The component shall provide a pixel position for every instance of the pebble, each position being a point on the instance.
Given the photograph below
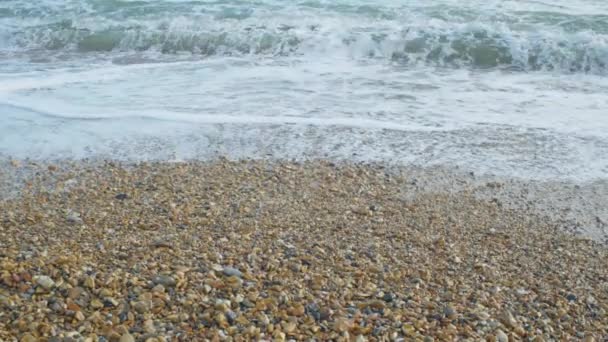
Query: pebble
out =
(89, 282)
(164, 280)
(28, 338)
(149, 326)
(158, 288)
(74, 292)
(74, 218)
(46, 282)
(162, 244)
(79, 316)
(126, 337)
(230, 271)
(449, 312)
(508, 319)
(142, 306)
(501, 336)
(342, 325)
(96, 304)
(121, 197)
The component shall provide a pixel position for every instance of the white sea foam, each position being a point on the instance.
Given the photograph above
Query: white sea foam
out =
(509, 87)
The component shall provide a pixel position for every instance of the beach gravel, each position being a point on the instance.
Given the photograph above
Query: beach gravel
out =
(238, 251)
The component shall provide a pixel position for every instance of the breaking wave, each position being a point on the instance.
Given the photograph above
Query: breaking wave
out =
(455, 45)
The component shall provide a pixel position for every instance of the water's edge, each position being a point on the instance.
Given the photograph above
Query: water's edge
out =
(577, 208)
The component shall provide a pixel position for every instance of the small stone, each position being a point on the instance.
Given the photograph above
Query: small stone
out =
(56, 307)
(314, 310)
(376, 304)
(508, 320)
(74, 292)
(230, 271)
(571, 297)
(96, 304)
(591, 301)
(121, 196)
(388, 297)
(247, 303)
(289, 327)
(408, 329)
(483, 315)
(279, 336)
(230, 316)
(162, 244)
(28, 338)
(158, 289)
(74, 218)
(46, 282)
(263, 318)
(222, 305)
(90, 282)
(149, 326)
(501, 336)
(234, 281)
(341, 325)
(142, 306)
(110, 302)
(164, 280)
(220, 318)
(363, 211)
(126, 337)
(449, 312)
(79, 316)
(298, 310)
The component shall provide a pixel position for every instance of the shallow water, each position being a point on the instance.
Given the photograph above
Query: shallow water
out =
(514, 88)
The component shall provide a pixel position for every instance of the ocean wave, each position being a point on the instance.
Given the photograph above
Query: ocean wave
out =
(475, 45)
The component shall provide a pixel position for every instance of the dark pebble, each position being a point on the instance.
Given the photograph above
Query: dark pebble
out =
(314, 311)
(230, 317)
(122, 197)
(107, 304)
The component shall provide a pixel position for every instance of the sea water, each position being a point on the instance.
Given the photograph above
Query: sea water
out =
(516, 88)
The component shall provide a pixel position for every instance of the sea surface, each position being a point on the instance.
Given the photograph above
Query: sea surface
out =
(517, 88)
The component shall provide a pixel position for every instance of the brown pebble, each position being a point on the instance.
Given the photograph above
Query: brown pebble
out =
(126, 337)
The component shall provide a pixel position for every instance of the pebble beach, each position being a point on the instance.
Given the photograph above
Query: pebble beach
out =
(317, 170)
(278, 251)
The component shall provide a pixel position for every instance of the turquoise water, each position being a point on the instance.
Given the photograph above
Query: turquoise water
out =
(520, 36)
(516, 87)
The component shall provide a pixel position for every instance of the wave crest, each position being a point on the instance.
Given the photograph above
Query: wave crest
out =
(456, 45)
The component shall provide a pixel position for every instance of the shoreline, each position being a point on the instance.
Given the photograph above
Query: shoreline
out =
(284, 250)
(577, 207)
